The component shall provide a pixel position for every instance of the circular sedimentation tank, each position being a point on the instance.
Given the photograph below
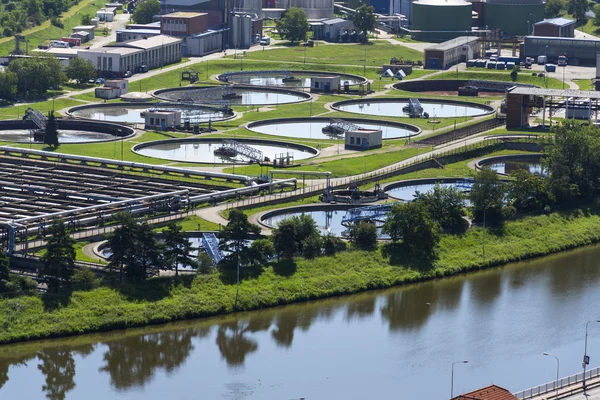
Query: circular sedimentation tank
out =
(133, 112)
(395, 107)
(312, 128)
(512, 17)
(449, 87)
(202, 150)
(407, 190)
(234, 96)
(441, 19)
(69, 131)
(327, 217)
(504, 165)
(278, 78)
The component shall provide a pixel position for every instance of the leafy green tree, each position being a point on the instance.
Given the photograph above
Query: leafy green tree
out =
(51, 131)
(145, 11)
(446, 205)
(205, 263)
(412, 223)
(332, 244)
(487, 196)
(86, 19)
(4, 270)
(514, 73)
(578, 8)
(177, 249)
(528, 192)
(147, 254)
(260, 252)
(122, 243)
(59, 259)
(284, 239)
(311, 246)
(553, 8)
(233, 238)
(596, 13)
(36, 75)
(572, 162)
(8, 85)
(363, 235)
(364, 20)
(80, 70)
(293, 25)
(85, 279)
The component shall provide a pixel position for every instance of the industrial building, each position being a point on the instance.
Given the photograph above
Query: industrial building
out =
(106, 14)
(451, 52)
(578, 51)
(555, 27)
(85, 28)
(244, 30)
(139, 55)
(512, 17)
(183, 23)
(363, 139)
(162, 119)
(112, 89)
(124, 35)
(325, 84)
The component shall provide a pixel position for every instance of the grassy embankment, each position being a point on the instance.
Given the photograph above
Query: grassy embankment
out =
(163, 300)
(524, 77)
(585, 84)
(43, 33)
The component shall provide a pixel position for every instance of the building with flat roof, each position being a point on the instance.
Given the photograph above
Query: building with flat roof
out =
(125, 35)
(112, 89)
(325, 84)
(183, 23)
(555, 27)
(85, 28)
(579, 51)
(451, 52)
(363, 139)
(162, 119)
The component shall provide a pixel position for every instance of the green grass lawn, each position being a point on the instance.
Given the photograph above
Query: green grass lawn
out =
(45, 32)
(585, 84)
(376, 54)
(524, 77)
(17, 111)
(166, 299)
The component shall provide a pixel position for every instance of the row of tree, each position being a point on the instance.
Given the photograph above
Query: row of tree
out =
(16, 16)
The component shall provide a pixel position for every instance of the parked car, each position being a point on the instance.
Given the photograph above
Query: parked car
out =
(127, 74)
(100, 81)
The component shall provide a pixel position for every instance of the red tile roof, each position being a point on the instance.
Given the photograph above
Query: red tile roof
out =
(491, 392)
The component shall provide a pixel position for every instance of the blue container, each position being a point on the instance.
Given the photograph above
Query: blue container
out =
(550, 68)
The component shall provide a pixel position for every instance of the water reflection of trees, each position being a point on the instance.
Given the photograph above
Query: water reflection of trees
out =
(134, 360)
(58, 366)
(232, 339)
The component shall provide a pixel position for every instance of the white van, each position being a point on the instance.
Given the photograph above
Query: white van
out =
(265, 41)
(60, 44)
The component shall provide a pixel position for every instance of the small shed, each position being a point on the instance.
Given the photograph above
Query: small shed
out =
(85, 28)
(363, 139)
(162, 119)
(82, 36)
(113, 89)
(105, 15)
(555, 27)
(325, 84)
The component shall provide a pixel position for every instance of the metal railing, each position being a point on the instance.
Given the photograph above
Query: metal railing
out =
(562, 383)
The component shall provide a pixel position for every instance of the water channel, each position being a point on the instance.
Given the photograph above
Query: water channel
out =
(397, 343)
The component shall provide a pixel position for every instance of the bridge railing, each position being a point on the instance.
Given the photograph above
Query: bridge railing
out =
(553, 386)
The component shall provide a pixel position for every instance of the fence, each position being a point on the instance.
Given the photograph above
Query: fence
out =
(463, 132)
(560, 384)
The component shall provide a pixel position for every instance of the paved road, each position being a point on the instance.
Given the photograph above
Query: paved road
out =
(119, 22)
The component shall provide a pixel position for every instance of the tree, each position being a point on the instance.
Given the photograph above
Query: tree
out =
(122, 242)
(332, 244)
(85, 279)
(177, 249)
(514, 73)
(4, 270)
(553, 8)
(596, 13)
(36, 75)
(144, 13)
(233, 238)
(51, 131)
(205, 263)
(8, 85)
(578, 8)
(312, 246)
(80, 70)
(487, 195)
(412, 223)
(147, 253)
(261, 251)
(59, 259)
(86, 19)
(446, 205)
(363, 235)
(364, 20)
(293, 25)
(291, 233)
(527, 192)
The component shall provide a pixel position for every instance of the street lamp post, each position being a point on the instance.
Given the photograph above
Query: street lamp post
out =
(452, 378)
(557, 369)
(586, 359)
(534, 21)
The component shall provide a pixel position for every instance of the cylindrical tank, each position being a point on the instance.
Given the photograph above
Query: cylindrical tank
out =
(441, 18)
(315, 9)
(513, 17)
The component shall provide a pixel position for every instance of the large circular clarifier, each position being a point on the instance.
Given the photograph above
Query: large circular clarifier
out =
(235, 96)
(505, 165)
(328, 221)
(203, 150)
(133, 113)
(281, 78)
(391, 107)
(312, 128)
(64, 136)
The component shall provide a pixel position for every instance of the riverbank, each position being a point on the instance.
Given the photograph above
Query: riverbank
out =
(163, 300)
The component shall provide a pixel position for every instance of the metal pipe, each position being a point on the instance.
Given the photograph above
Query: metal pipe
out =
(228, 192)
(63, 156)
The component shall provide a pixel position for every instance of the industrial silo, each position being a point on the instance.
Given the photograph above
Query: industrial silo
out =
(513, 17)
(440, 19)
(315, 9)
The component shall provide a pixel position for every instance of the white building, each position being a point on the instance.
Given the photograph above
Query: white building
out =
(326, 84)
(162, 119)
(363, 139)
(113, 89)
(135, 56)
(125, 35)
(85, 28)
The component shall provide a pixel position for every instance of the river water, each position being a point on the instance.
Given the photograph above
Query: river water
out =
(397, 343)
